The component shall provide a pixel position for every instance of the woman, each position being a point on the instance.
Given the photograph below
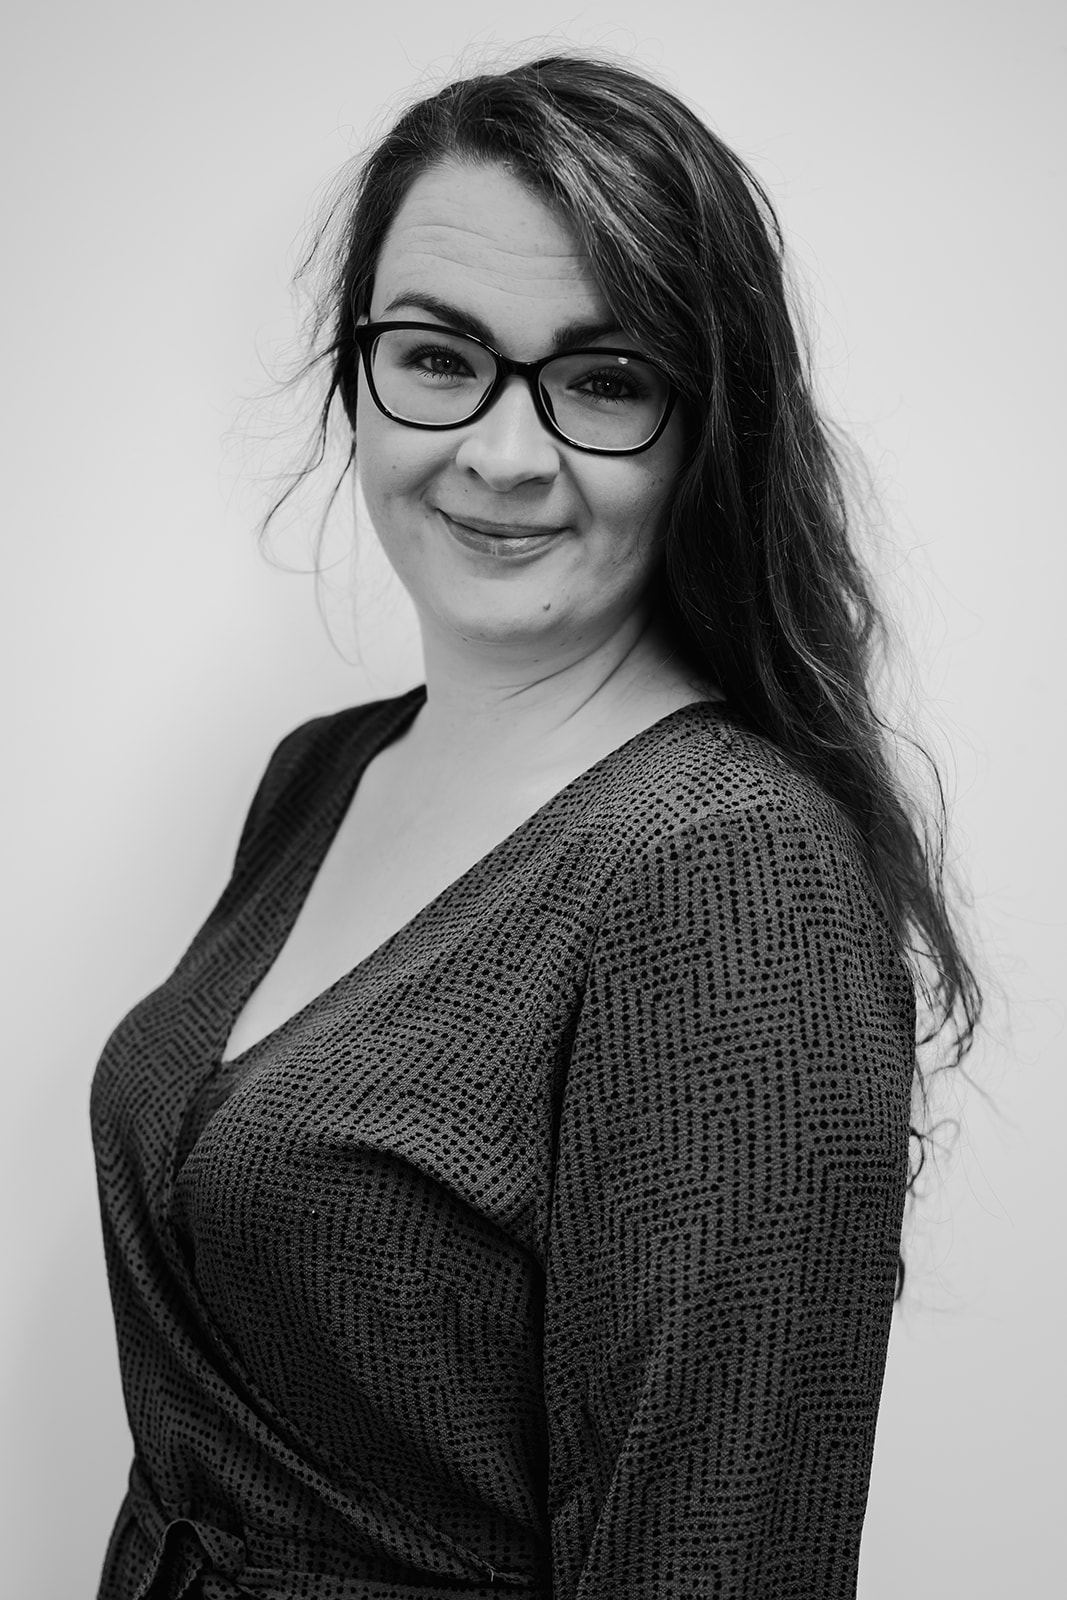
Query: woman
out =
(505, 1190)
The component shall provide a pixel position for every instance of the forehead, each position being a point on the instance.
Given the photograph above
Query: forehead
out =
(475, 236)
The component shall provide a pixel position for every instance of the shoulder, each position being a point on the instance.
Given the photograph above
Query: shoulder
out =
(719, 843)
(346, 733)
(320, 751)
(699, 786)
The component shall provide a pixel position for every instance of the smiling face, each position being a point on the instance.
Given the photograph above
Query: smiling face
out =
(470, 247)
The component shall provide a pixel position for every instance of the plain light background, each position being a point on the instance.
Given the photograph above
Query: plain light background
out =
(160, 163)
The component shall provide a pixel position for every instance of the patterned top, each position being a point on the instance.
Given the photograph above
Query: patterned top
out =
(550, 1250)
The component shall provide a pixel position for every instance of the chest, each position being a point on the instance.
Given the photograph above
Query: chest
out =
(370, 1194)
(398, 848)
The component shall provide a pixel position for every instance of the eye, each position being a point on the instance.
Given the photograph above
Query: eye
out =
(616, 384)
(440, 361)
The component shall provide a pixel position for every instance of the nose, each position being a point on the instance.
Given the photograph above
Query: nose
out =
(509, 444)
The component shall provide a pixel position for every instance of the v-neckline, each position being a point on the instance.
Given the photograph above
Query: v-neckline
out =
(324, 822)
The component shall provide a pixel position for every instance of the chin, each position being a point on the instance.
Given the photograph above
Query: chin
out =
(538, 622)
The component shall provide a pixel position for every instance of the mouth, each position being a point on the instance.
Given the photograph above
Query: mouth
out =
(507, 539)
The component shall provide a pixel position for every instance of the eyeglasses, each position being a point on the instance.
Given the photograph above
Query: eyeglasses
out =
(607, 401)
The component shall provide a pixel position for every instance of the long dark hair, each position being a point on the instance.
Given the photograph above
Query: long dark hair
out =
(760, 587)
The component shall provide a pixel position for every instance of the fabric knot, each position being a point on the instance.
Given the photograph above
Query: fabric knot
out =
(187, 1548)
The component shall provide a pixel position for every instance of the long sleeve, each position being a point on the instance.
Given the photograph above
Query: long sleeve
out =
(729, 1189)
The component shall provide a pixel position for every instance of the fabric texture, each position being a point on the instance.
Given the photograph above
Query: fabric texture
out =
(552, 1249)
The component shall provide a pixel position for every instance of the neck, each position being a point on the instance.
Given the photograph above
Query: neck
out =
(493, 706)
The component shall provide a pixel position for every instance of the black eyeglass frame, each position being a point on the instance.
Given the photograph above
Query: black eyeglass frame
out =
(365, 334)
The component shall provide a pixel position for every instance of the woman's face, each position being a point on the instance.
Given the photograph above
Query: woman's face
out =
(470, 245)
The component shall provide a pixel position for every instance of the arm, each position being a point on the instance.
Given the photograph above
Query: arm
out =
(725, 1221)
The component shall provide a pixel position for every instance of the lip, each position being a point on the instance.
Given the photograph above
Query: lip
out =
(503, 540)
(505, 530)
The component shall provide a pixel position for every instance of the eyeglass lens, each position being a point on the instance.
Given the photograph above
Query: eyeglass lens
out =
(604, 401)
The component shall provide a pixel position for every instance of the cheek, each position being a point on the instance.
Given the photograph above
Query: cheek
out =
(633, 502)
(394, 463)
(640, 494)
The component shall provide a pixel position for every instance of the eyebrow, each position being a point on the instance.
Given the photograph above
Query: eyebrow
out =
(571, 336)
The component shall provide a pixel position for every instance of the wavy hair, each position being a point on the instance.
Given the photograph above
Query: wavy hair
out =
(760, 587)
